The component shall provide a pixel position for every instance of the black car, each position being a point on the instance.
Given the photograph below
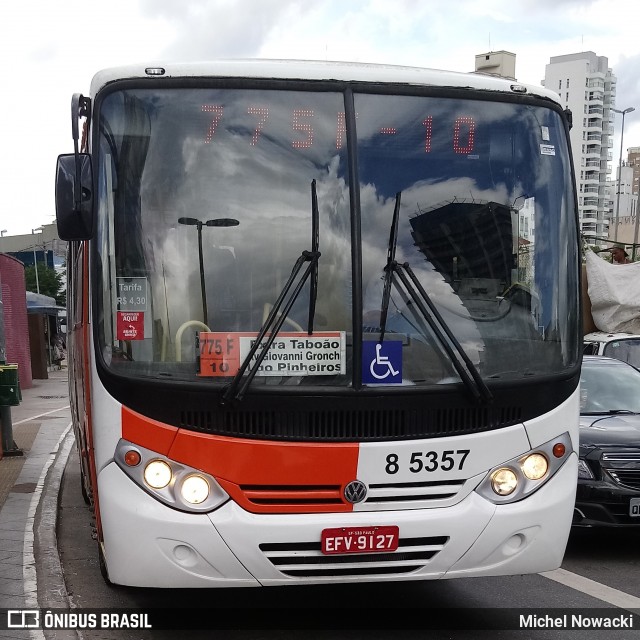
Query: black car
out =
(609, 468)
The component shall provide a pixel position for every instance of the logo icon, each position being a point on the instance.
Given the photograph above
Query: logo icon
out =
(23, 619)
(382, 362)
(355, 492)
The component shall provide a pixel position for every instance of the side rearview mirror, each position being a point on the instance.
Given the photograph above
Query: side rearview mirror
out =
(74, 202)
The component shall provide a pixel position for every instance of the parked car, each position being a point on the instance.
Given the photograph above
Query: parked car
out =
(608, 492)
(622, 346)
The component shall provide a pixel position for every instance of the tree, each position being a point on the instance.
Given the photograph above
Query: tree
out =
(50, 283)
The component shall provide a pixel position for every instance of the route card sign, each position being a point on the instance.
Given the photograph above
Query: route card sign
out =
(291, 354)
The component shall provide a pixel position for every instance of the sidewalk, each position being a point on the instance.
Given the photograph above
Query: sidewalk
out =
(28, 499)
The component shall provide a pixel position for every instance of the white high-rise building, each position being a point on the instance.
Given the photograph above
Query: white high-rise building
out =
(587, 87)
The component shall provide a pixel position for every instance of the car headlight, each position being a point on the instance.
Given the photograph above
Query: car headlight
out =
(518, 478)
(177, 485)
(584, 472)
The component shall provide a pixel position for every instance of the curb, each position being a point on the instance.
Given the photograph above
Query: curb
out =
(52, 590)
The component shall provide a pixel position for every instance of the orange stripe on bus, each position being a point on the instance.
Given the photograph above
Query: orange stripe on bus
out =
(260, 475)
(146, 432)
(262, 462)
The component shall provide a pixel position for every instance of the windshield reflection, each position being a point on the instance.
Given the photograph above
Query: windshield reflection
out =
(472, 179)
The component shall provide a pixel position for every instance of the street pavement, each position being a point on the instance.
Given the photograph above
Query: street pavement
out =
(30, 571)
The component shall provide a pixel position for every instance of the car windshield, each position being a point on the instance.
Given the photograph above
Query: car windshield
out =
(609, 386)
(625, 349)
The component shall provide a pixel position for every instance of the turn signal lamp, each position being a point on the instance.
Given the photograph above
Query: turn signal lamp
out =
(132, 458)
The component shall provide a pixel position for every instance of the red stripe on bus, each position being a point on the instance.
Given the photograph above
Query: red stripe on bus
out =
(146, 432)
(262, 476)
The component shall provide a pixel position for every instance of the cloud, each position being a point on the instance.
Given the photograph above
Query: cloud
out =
(53, 50)
(221, 28)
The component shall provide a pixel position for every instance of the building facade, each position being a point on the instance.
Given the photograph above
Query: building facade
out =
(16, 327)
(633, 160)
(627, 218)
(587, 86)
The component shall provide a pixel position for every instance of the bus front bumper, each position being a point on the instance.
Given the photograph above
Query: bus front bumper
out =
(148, 544)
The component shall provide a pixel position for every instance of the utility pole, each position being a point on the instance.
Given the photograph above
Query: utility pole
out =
(35, 260)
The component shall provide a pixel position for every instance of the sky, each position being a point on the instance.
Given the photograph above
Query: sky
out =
(52, 50)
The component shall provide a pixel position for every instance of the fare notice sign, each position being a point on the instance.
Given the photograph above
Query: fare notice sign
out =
(291, 354)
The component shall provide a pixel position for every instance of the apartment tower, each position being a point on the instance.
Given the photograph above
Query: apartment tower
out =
(587, 87)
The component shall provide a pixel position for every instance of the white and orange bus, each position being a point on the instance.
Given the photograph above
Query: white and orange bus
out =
(323, 322)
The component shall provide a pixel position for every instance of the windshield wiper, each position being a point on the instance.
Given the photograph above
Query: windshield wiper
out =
(315, 241)
(388, 269)
(276, 318)
(610, 412)
(467, 371)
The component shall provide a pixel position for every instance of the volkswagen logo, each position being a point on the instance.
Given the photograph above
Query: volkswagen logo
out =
(355, 491)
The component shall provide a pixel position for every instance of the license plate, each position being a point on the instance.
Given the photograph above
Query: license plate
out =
(634, 507)
(360, 540)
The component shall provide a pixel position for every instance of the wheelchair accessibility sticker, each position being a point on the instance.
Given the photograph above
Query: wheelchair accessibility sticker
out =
(382, 362)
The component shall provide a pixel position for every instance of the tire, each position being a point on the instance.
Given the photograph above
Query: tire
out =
(103, 565)
(83, 489)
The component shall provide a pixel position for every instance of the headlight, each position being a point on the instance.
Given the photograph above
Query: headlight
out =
(195, 489)
(168, 481)
(504, 481)
(157, 474)
(584, 472)
(534, 466)
(519, 477)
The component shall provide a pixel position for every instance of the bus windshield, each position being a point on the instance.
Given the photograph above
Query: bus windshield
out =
(206, 203)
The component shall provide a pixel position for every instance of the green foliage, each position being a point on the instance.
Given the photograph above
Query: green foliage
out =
(50, 283)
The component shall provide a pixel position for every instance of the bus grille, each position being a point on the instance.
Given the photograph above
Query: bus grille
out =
(350, 425)
(380, 497)
(305, 560)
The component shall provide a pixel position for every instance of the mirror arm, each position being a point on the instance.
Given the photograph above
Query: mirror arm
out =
(80, 108)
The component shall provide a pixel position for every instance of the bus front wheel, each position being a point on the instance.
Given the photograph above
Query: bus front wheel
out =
(103, 565)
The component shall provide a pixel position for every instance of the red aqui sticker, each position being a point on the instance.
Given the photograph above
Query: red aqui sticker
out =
(130, 325)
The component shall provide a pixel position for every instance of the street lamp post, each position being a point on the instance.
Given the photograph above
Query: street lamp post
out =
(35, 259)
(624, 113)
(217, 222)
